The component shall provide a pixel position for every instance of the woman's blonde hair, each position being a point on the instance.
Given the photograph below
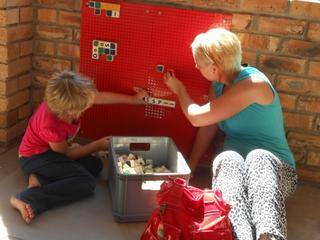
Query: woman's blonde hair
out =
(221, 47)
(69, 93)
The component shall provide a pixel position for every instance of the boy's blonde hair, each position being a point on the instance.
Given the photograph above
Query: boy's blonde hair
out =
(221, 47)
(69, 93)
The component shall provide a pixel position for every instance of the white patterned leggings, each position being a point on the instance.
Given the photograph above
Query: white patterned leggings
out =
(257, 188)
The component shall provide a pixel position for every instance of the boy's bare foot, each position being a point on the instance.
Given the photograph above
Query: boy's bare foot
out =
(24, 208)
(33, 181)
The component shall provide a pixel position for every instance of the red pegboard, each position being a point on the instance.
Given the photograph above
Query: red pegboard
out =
(146, 35)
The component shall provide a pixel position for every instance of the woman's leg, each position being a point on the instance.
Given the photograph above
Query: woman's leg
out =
(228, 176)
(270, 182)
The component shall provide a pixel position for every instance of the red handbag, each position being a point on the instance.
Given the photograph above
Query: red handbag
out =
(186, 212)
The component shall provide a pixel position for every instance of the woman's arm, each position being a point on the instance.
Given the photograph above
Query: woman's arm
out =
(238, 97)
(79, 151)
(204, 137)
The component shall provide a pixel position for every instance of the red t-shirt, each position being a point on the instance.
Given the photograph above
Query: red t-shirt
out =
(45, 127)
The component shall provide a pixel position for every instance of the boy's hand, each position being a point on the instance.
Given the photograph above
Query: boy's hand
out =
(140, 95)
(102, 143)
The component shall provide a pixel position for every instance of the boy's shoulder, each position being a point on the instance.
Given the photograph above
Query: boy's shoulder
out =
(44, 117)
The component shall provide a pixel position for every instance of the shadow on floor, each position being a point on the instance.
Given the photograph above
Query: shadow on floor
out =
(92, 218)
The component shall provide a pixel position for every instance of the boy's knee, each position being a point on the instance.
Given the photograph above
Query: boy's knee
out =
(95, 166)
(89, 185)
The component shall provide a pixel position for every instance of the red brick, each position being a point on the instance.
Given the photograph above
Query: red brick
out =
(281, 64)
(69, 18)
(44, 48)
(37, 94)
(317, 125)
(19, 66)
(41, 78)
(14, 101)
(229, 4)
(313, 159)
(299, 154)
(24, 111)
(249, 57)
(8, 118)
(314, 31)
(75, 66)
(78, 5)
(3, 71)
(13, 132)
(19, 32)
(273, 6)
(24, 81)
(54, 33)
(62, 4)
(8, 87)
(51, 64)
(26, 48)
(258, 42)
(309, 104)
(303, 140)
(301, 48)
(47, 15)
(298, 121)
(312, 175)
(298, 85)
(26, 14)
(9, 52)
(314, 69)
(15, 67)
(18, 3)
(305, 9)
(281, 26)
(76, 35)
(241, 22)
(9, 16)
(288, 101)
(68, 50)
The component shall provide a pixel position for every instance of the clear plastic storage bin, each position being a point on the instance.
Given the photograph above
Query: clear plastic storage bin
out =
(134, 195)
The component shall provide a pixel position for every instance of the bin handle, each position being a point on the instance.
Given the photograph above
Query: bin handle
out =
(139, 146)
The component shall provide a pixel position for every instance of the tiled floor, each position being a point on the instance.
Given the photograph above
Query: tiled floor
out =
(92, 217)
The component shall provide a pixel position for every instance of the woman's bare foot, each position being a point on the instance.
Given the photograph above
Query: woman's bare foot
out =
(33, 181)
(25, 209)
(265, 237)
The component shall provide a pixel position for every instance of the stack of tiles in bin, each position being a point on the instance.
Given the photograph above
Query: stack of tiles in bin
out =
(112, 10)
(104, 48)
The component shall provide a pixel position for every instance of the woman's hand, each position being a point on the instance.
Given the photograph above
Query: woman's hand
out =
(140, 95)
(172, 82)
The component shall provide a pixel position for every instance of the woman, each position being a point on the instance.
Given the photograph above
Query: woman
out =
(256, 170)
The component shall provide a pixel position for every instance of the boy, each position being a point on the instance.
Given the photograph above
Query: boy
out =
(59, 173)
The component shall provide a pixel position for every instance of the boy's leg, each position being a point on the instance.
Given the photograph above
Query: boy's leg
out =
(228, 176)
(62, 180)
(270, 181)
(92, 164)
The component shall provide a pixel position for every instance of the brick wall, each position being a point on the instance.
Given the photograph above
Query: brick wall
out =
(16, 33)
(280, 37)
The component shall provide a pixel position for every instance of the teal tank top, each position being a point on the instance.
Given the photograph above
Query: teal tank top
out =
(257, 126)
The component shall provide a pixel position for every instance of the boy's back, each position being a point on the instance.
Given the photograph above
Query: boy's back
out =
(44, 127)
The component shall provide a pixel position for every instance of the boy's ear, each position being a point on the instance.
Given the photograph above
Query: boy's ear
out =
(214, 68)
